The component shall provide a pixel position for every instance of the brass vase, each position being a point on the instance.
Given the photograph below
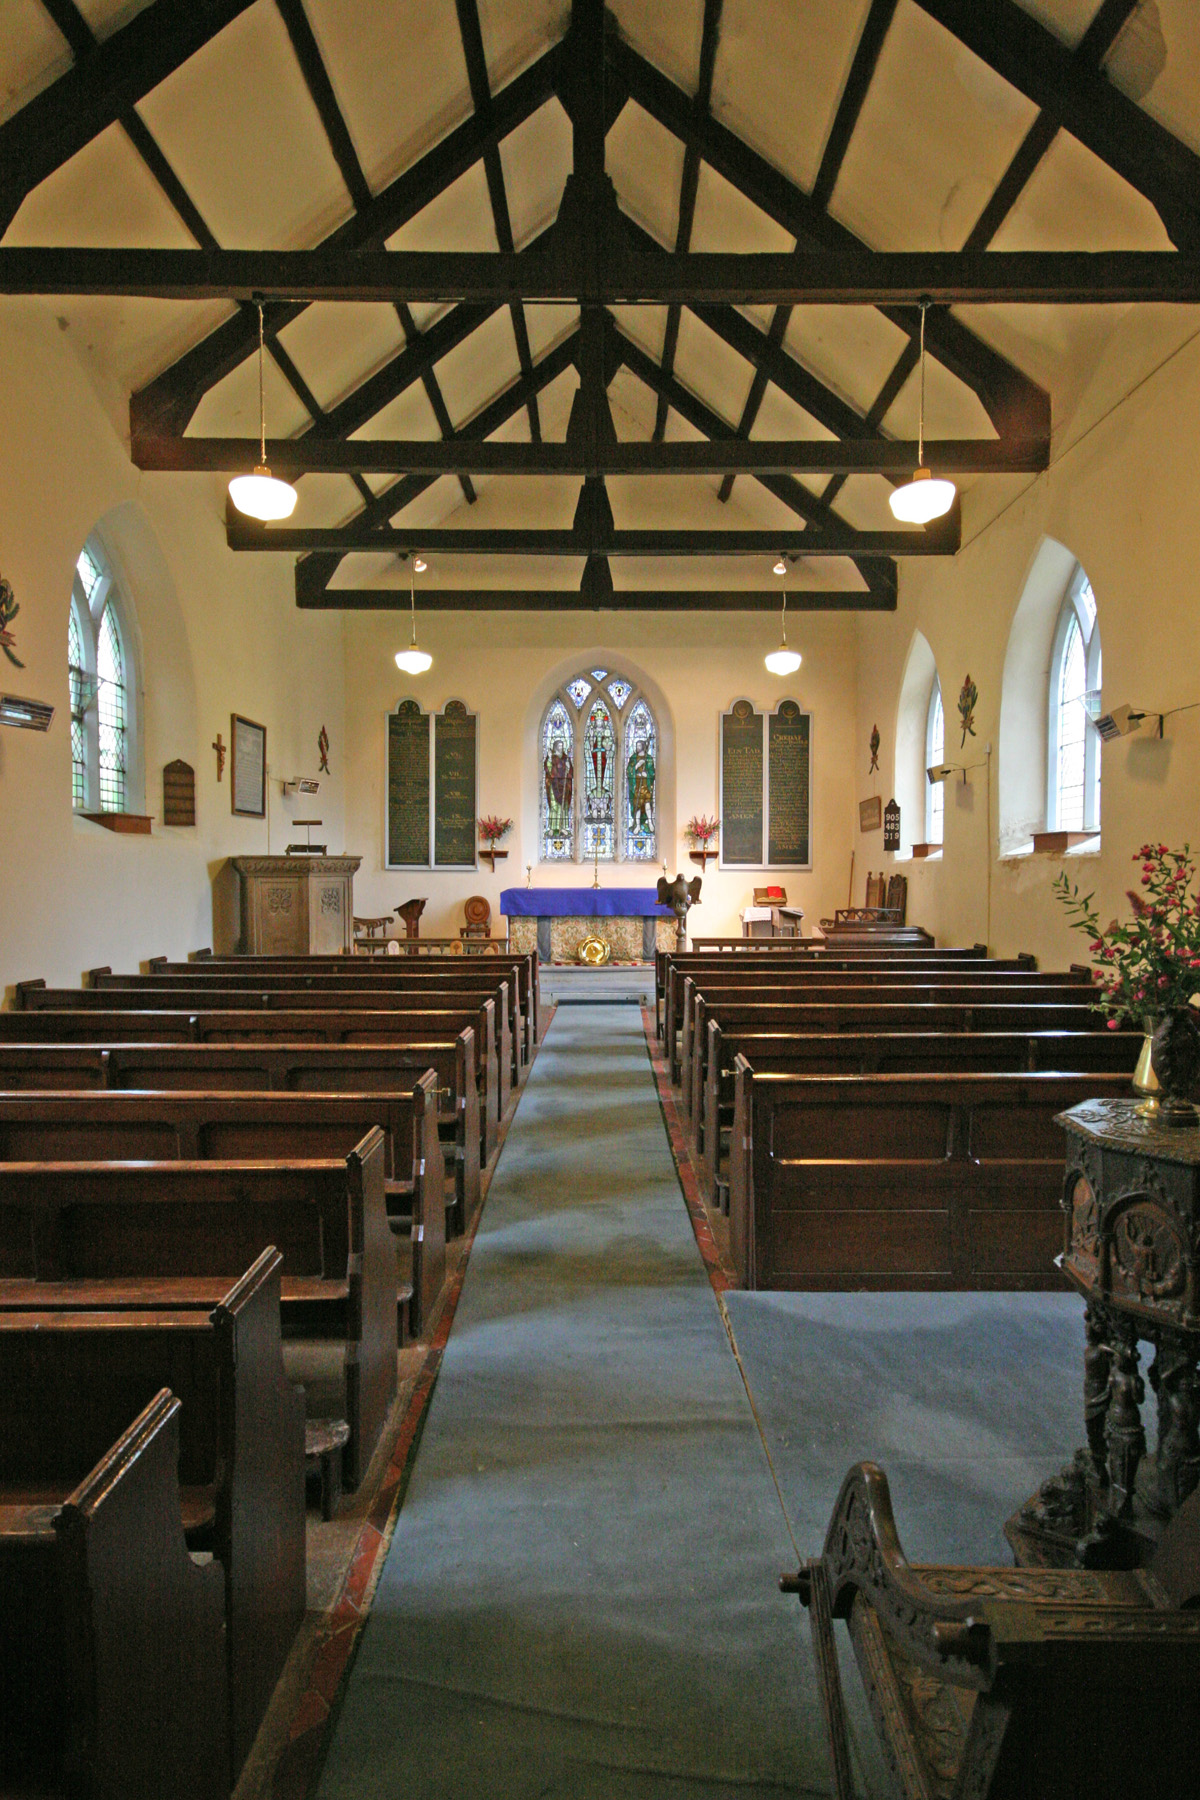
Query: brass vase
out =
(1145, 1081)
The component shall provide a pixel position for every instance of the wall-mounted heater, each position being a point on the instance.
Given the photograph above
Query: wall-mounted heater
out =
(26, 715)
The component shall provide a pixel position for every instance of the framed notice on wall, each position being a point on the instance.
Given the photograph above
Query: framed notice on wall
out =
(432, 782)
(247, 767)
(766, 787)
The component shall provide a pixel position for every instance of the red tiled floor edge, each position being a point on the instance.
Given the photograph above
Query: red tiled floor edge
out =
(300, 1763)
(720, 1274)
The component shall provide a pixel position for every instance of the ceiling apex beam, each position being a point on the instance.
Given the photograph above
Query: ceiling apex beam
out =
(309, 595)
(247, 535)
(91, 96)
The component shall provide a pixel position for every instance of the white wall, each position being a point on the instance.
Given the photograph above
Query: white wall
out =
(506, 665)
(219, 634)
(1123, 496)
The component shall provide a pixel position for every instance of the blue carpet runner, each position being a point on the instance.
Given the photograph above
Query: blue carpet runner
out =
(580, 1597)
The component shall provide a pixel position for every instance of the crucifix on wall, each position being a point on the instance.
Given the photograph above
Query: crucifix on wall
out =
(220, 749)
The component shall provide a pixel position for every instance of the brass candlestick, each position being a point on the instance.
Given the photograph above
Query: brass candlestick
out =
(596, 867)
(528, 875)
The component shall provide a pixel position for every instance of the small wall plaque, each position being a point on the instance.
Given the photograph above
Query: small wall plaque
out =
(179, 794)
(891, 826)
(870, 813)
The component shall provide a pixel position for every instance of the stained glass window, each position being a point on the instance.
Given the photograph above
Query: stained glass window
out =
(599, 674)
(641, 785)
(620, 691)
(558, 785)
(110, 701)
(77, 677)
(935, 752)
(599, 784)
(579, 689)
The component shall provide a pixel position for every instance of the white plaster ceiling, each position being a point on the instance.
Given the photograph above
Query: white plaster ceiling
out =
(936, 132)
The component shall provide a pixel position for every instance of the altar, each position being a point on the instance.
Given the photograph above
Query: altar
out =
(555, 921)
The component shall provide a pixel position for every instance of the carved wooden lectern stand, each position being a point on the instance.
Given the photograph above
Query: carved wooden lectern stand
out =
(1132, 1204)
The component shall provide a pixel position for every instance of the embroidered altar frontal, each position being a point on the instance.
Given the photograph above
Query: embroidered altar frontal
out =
(555, 921)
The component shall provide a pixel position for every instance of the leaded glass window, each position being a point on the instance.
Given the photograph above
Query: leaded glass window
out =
(101, 678)
(110, 703)
(641, 779)
(558, 785)
(599, 772)
(78, 682)
(935, 753)
(599, 785)
(1073, 801)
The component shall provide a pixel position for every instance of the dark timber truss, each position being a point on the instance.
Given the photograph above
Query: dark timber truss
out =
(596, 258)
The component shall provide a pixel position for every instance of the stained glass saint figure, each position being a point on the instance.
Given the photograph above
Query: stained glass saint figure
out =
(599, 783)
(558, 784)
(640, 774)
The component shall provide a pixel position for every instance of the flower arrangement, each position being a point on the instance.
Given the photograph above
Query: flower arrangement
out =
(1148, 965)
(702, 830)
(492, 829)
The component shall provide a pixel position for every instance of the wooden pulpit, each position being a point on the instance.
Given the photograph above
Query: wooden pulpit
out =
(296, 905)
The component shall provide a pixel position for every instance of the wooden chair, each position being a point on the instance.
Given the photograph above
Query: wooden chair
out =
(478, 915)
(897, 896)
(876, 890)
(1006, 1683)
(370, 935)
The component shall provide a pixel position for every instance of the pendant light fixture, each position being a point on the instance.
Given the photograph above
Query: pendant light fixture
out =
(780, 567)
(261, 496)
(783, 661)
(412, 660)
(926, 496)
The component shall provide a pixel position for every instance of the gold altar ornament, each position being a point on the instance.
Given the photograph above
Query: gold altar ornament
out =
(594, 951)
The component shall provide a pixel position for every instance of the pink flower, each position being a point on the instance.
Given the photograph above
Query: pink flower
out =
(1112, 1024)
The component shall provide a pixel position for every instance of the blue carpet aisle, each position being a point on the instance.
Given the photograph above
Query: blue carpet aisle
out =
(580, 1596)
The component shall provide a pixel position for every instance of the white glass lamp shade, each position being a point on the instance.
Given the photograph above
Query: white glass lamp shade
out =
(413, 661)
(923, 498)
(783, 661)
(261, 496)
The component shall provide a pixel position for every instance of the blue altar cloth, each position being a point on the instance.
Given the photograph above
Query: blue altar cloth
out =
(583, 903)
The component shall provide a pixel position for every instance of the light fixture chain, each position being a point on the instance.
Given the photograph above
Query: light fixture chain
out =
(262, 400)
(921, 415)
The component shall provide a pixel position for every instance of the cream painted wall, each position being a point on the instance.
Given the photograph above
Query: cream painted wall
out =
(505, 666)
(219, 633)
(1123, 496)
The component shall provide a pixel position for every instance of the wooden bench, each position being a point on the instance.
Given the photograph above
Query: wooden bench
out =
(900, 1181)
(912, 1007)
(321, 1025)
(71, 1381)
(92, 1126)
(279, 1068)
(112, 1639)
(1008, 1684)
(459, 986)
(899, 1052)
(522, 965)
(175, 1230)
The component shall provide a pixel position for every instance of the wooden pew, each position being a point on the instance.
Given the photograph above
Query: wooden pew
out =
(89, 1126)
(175, 1230)
(459, 985)
(112, 1639)
(69, 1383)
(281, 1068)
(900, 1181)
(523, 966)
(321, 1025)
(894, 1053)
(1008, 1684)
(757, 980)
(968, 1009)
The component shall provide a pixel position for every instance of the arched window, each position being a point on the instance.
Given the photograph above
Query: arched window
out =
(100, 667)
(935, 753)
(1073, 772)
(599, 772)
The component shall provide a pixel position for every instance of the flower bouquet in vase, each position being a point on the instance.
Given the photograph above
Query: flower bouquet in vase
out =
(492, 831)
(701, 833)
(1148, 975)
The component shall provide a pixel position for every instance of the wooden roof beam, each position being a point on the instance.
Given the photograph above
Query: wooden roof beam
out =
(844, 540)
(565, 600)
(1079, 98)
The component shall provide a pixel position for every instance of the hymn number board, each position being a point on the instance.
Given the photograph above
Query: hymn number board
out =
(766, 787)
(431, 787)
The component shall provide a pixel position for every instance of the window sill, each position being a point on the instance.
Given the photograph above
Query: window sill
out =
(930, 852)
(125, 822)
(1062, 843)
